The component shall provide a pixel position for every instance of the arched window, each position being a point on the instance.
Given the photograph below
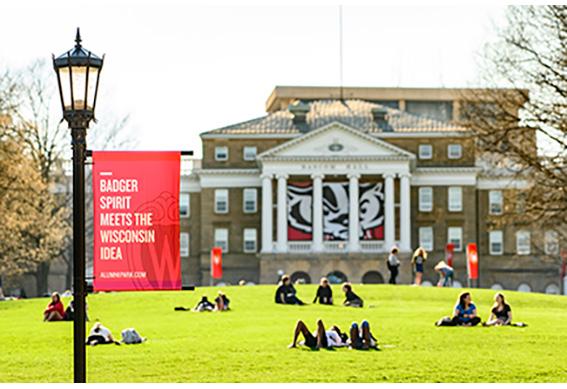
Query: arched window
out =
(552, 289)
(300, 277)
(337, 277)
(372, 277)
(523, 287)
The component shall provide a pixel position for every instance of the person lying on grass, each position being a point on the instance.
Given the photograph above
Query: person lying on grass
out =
(55, 310)
(100, 335)
(501, 313)
(222, 302)
(464, 314)
(324, 292)
(320, 338)
(351, 298)
(204, 305)
(286, 294)
(361, 338)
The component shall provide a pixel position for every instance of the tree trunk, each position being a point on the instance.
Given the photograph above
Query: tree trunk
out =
(41, 278)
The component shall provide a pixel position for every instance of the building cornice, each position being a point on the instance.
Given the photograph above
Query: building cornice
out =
(385, 135)
(448, 169)
(337, 158)
(248, 172)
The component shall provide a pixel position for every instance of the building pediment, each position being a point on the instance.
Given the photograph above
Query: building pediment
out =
(336, 141)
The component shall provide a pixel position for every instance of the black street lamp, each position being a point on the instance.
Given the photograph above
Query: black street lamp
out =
(78, 72)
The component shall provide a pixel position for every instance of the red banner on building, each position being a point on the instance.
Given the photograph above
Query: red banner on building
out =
(136, 220)
(216, 263)
(449, 253)
(472, 261)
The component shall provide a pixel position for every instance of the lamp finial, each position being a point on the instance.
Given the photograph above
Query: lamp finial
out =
(78, 38)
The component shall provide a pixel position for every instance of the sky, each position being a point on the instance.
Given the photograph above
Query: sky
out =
(179, 69)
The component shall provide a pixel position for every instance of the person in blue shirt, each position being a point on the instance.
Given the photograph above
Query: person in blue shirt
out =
(465, 311)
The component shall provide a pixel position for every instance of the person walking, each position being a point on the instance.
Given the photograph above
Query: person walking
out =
(393, 265)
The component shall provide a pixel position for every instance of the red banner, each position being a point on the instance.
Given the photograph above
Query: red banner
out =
(136, 220)
(472, 261)
(216, 263)
(449, 253)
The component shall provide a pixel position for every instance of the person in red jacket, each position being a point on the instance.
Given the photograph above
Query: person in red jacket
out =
(55, 310)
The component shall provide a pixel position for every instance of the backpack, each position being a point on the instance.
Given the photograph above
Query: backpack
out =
(131, 336)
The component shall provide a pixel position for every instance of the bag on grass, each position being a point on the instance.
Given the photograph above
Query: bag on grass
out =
(131, 336)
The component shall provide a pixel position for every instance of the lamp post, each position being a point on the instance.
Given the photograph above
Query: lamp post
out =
(78, 73)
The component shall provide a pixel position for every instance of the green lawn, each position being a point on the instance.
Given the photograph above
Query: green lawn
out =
(249, 344)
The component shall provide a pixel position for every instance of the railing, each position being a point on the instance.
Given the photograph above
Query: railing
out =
(335, 247)
(366, 246)
(299, 246)
(371, 246)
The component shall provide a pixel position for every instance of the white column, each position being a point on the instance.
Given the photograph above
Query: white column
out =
(282, 213)
(317, 212)
(390, 223)
(267, 214)
(353, 213)
(405, 213)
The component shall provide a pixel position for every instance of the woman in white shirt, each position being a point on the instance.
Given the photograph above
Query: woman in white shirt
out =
(100, 335)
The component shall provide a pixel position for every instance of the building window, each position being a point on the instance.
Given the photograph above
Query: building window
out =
(184, 208)
(455, 199)
(495, 202)
(551, 246)
(426, 238)
(454, 151)
(221, 239)
(455, 236)
(221, 153)
(496, 244)
(425, 199)
(523, 242)
(184, 244)
(425, 151)
(249, 240)
(249, 153)
(439, 110)
(250, 199)
(221, 200)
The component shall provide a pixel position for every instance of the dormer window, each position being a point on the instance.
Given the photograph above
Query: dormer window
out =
(454, 151)
(221, 153)
(425, 152)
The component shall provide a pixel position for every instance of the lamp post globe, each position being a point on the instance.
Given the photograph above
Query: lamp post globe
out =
(78, 72)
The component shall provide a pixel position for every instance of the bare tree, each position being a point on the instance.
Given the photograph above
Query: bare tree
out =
(47, 141)
(522, 129)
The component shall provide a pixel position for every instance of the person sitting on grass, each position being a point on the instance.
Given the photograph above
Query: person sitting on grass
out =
(445, 274)
(100, 335)
(320, 338)
(55, 310)
(361, 338)
(464, 314)
(70, 312)
(286, 294)
(351, 298)
(324, 292)
(204, 305)
(501, 313)
(222, 302)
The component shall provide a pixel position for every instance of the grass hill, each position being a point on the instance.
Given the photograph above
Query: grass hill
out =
(249, 343)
